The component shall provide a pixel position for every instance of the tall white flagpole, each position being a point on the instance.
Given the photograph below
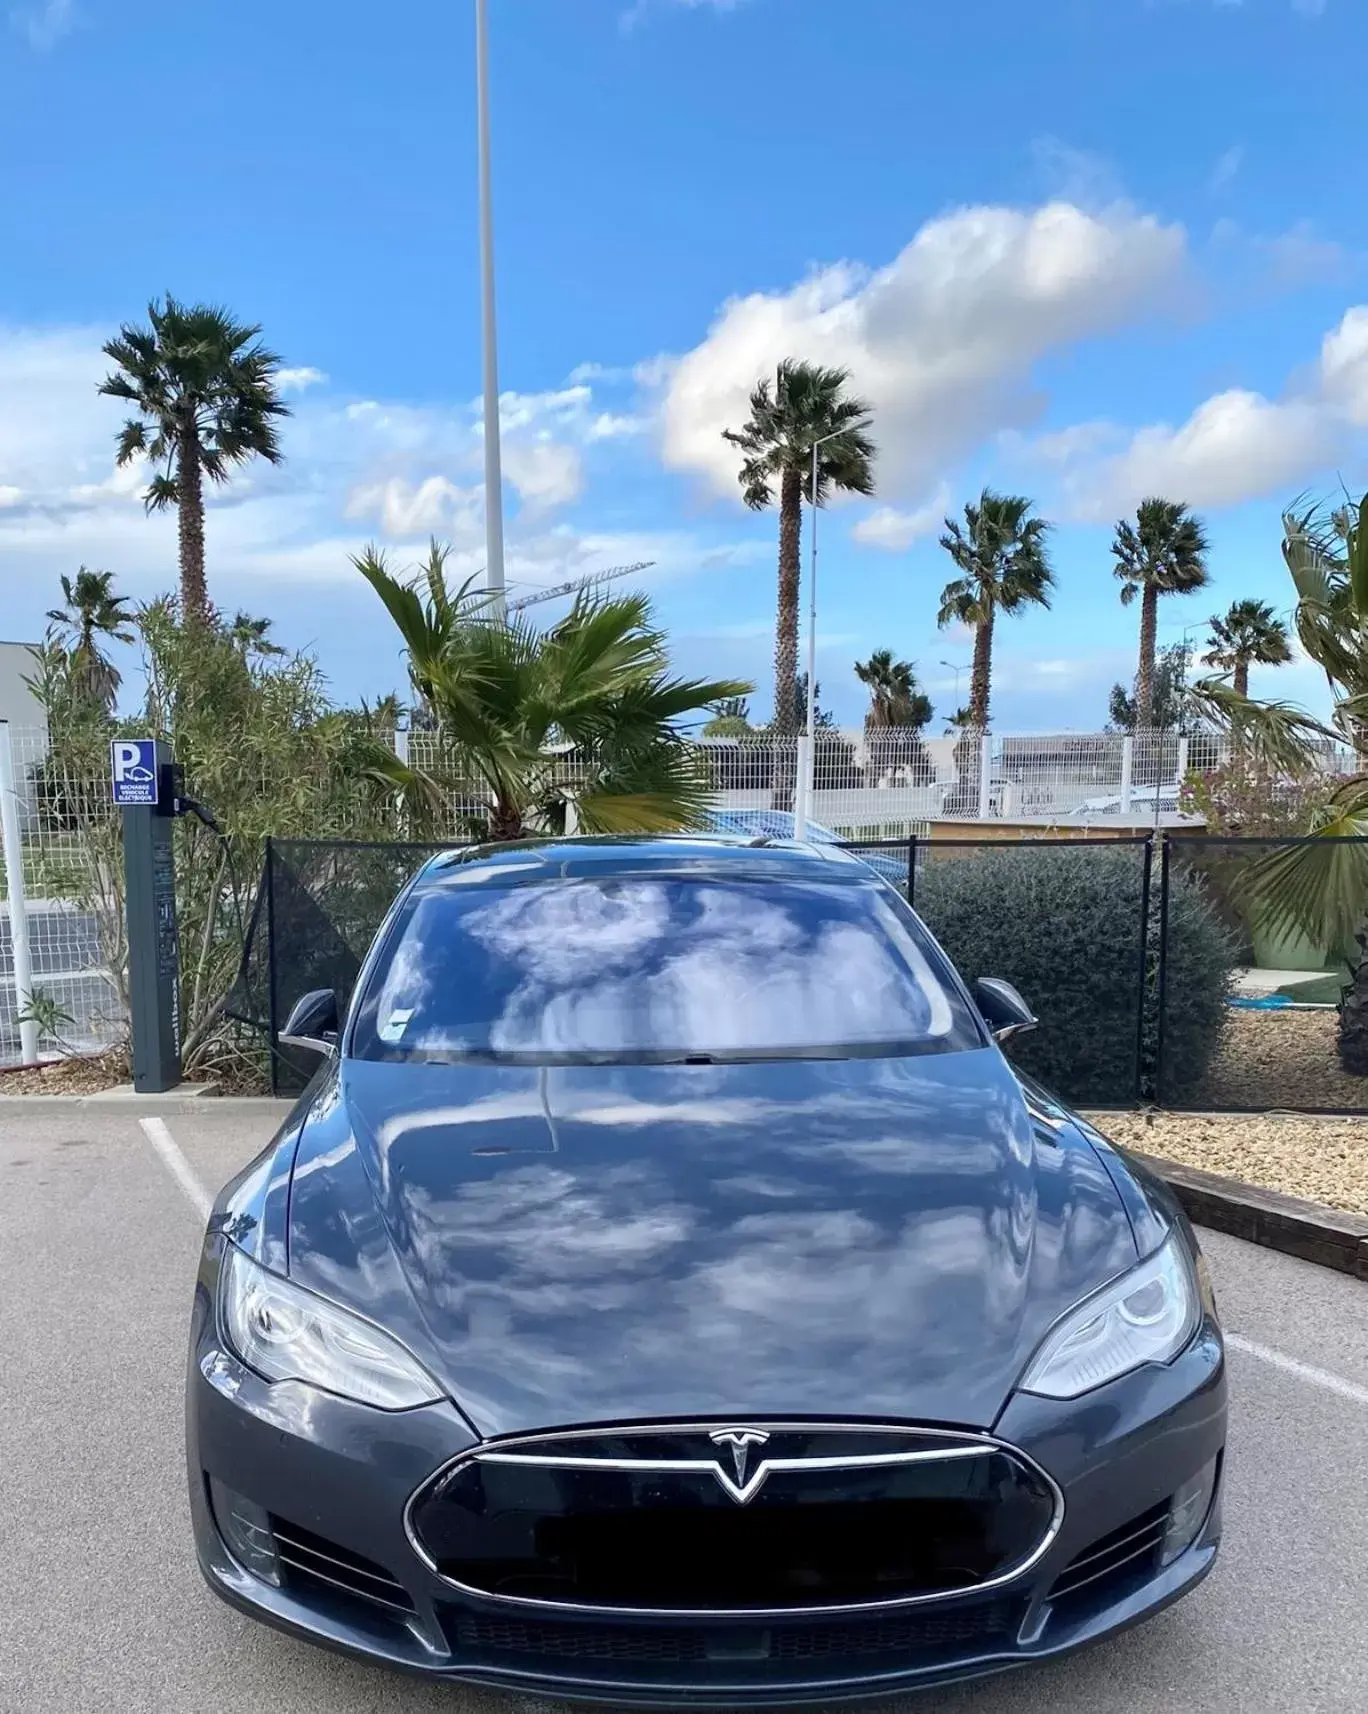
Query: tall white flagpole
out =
(493, 463)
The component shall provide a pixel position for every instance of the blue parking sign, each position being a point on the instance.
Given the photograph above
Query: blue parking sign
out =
(133, 767)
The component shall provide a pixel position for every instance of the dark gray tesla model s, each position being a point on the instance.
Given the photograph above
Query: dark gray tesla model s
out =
(666, 1292)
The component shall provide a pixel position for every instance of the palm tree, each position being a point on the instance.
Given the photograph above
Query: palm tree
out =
(1162, 553)
(1318, 885)
(584, 713)
(730, 718)
(1004, 567)
(805, 405)
(1248, 634)
(204, 390)
(389, 714)
(91, 611)
(895, 698)
(251, 636)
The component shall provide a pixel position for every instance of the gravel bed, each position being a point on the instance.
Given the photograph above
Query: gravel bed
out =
(1278, 1060)
(84, 1075)
(1323, 1160)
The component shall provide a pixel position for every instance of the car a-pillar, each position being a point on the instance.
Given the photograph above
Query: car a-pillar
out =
(145, 788)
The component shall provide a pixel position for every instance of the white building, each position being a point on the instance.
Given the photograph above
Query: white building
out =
(18, 704)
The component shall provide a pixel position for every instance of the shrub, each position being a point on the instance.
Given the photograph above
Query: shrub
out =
(1246, 800)
(260, 745)
(1064, 924)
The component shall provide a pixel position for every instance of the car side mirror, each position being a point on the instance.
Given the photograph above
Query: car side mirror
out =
(1004, 1011)
(313, 1022)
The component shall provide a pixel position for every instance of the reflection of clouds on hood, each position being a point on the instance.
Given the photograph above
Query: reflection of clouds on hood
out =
(802, 1281)
(887, 1234)
(549, 1224)
(668, 1295)
(693, 967)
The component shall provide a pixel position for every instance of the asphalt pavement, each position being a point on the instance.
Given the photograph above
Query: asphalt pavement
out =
(102, 1610)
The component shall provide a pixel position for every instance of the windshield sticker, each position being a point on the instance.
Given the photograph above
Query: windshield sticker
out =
(392, 1030)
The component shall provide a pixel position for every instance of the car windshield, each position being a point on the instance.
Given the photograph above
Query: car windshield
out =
(657, 968)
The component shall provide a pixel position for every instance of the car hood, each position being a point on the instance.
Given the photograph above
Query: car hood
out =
(871, 1238)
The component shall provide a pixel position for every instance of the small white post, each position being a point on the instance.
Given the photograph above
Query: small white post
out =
(1127, 772)
(1182, 761)
(10, 810)
(985, 809)
(401, 749)
(803, 786)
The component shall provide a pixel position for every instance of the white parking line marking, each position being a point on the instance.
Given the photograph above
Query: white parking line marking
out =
(1303, 1371)
(158, 1134)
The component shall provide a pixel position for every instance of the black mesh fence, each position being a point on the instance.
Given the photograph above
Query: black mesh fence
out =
(320, 905)
(1271, 1038)
(1159, 971)
(1069, 923)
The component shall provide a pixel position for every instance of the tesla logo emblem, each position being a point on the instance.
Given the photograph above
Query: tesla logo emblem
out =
(739, 1442)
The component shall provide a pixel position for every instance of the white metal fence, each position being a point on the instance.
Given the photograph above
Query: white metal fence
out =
(66, 949)
(884, 784)
(61, 908)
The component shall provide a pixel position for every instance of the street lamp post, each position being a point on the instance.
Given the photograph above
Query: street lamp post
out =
(807, 749)
(957, 670)
(493, 464)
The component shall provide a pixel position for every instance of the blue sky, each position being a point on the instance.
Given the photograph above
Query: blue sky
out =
(1081, 249)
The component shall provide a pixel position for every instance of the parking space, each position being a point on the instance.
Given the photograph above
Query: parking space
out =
(101, 1607)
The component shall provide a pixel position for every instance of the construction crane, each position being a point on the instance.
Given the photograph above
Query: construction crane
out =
(579, 585)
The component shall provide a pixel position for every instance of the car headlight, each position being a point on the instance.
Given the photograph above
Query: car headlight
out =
(1147, 1316)
(287, 1334)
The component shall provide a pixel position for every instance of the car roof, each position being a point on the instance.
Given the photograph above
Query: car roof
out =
(714, 855)
(773, 823)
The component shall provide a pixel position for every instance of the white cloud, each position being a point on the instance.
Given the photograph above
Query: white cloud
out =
(297, 380)
(640, 8)
(1070, 174)
(1308, 8)
(1226, 170)
(404, 509)
(1064, 447)
(605, 372)
(53, 430)
(1344, 366)
(520, 411)
(45, 24)
(886, 527)
(942, 341)
(383, 442)
(355, 470)
(1283, 262)
(546, 473)
(122, 480)
(613, 425)
(1235, 446)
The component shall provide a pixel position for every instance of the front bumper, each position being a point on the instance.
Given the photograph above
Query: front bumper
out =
(342, 1473)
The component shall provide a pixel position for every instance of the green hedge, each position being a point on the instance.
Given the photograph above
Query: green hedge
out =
(1064, 923)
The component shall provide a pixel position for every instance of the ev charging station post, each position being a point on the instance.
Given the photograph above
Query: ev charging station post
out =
(145, 788)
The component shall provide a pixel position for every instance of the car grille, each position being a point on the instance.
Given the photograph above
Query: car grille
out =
(310, 1560)
(1127, 1553)
(660, 1520)
(911, 1637)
